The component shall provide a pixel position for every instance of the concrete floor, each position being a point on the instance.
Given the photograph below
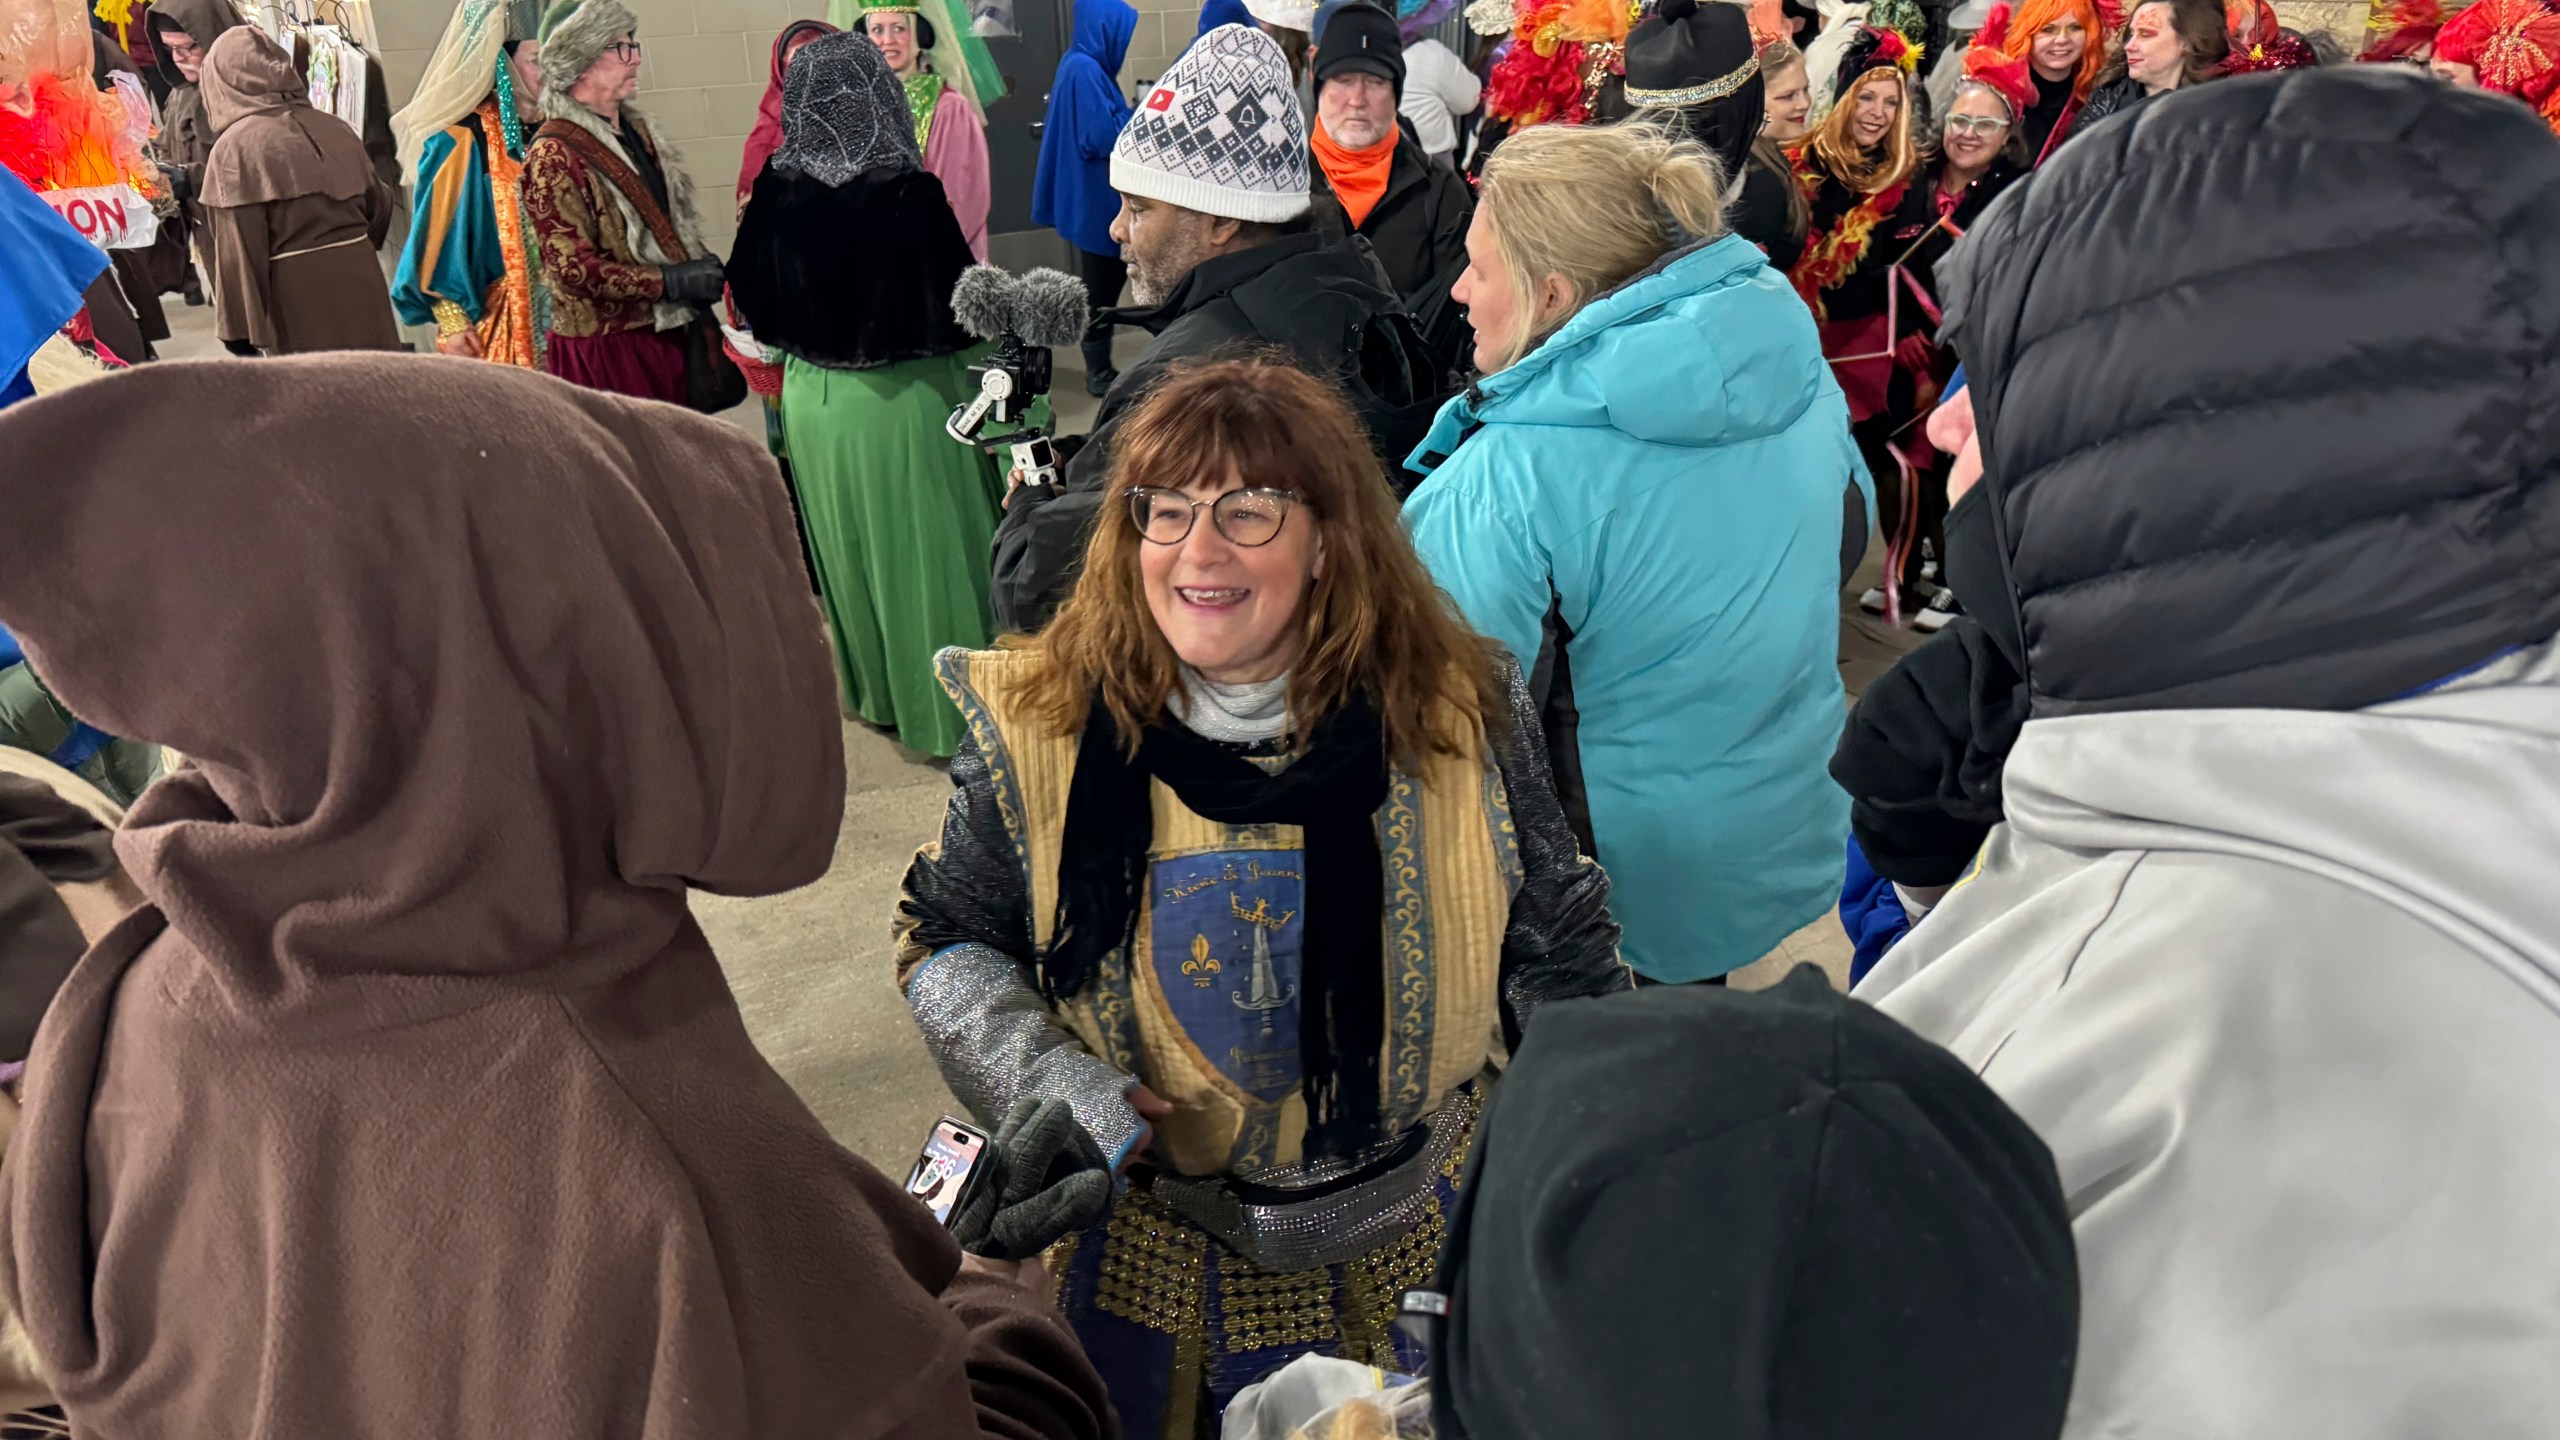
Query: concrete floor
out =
(812, 969)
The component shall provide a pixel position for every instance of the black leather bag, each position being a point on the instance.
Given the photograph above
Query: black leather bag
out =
(712, 382)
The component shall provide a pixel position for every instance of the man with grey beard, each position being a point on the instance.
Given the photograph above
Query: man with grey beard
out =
(1214, 185)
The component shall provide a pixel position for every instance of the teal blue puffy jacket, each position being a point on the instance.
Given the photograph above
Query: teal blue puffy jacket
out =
(1657, 493)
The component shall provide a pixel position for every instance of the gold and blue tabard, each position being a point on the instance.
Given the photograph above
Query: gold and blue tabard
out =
(1204, 1005)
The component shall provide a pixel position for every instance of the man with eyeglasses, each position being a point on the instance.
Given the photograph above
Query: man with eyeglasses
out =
(1214, 196)
(181, 31)
(612, 212)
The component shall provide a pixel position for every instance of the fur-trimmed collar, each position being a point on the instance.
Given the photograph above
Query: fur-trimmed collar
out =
(644, 242)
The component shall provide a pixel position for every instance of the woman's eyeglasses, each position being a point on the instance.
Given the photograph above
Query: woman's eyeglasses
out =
(1977, 124)
(1247, 517)
(626, 51)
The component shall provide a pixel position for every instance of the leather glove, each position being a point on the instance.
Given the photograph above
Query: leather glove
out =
(695, 282)
(182, 187)
(1050, 1181)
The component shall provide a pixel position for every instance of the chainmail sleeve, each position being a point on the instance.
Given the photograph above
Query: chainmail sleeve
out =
(1561, 942)
(964, 945)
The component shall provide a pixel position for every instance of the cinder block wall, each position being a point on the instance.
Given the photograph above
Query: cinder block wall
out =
(1164, 29)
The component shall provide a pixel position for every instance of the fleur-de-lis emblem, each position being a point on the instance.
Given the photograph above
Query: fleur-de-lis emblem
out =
(1201, 967)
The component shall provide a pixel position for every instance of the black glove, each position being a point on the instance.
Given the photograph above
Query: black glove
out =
(1049, 1181)
(182, 186)
(695, 282)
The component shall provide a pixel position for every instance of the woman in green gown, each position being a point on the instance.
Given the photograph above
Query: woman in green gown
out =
(845, 261)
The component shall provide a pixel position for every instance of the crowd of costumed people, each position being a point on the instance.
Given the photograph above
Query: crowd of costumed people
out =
(1380, 731)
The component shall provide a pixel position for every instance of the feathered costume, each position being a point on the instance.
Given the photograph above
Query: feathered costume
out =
(2514, 47)
(58, 130)
(2404, 31)
(1561, 53)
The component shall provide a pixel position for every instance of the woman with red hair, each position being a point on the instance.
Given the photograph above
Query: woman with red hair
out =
(2061, 42)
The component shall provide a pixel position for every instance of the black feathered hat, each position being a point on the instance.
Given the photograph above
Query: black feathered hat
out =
(1687, 53)
(1698, 58)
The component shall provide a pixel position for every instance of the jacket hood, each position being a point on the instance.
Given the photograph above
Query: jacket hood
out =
(2268, 382)
(1687, 353)
(2440, 804)
(596, 681)
(1102, 30)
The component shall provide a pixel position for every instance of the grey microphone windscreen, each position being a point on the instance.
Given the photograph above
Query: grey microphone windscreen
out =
(1049, 309)
(985, 301)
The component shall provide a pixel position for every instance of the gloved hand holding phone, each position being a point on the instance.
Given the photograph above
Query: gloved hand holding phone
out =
(1044, 1180)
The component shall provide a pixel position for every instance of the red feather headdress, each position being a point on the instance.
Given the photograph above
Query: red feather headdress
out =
(1988, 62)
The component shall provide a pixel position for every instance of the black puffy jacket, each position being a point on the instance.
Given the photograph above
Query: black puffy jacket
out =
(2268, 382)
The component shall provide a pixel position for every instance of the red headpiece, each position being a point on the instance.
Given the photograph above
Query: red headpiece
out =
(2250, 22)
(2410, 26)
(1988, 62)
(2283, 50)
(2513, 44)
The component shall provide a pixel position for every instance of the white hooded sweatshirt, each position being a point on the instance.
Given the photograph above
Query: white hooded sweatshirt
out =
(2281, 989)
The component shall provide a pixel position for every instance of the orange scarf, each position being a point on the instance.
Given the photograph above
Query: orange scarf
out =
(1359, 177)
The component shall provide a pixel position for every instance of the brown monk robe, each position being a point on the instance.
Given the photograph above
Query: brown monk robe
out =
(186, 141)
(414, 1103)
(294, 209)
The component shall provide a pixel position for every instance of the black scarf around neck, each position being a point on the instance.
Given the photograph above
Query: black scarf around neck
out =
(1332, 792)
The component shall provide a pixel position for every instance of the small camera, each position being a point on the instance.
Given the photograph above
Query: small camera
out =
(1026, 316)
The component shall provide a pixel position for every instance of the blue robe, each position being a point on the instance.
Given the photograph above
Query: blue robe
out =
(1071, 192)
(453, 251)
(49, 267)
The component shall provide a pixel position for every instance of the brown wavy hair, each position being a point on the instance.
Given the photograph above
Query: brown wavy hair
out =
(2202, 41)
(1862, 171)
(1373, 623)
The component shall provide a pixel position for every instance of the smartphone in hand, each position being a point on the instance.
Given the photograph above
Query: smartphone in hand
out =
(949, 1168)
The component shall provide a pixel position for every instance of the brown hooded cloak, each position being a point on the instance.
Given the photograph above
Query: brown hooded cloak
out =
(294, 208)
(414, 1103)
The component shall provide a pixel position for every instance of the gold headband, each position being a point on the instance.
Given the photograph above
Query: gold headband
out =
(1696, 94)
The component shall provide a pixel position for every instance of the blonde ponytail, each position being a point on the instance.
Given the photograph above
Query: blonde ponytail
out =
(1594, 206)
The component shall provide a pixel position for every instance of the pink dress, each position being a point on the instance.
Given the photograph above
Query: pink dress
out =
(955, 152)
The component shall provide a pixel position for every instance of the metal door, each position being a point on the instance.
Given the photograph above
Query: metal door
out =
(1028, 60)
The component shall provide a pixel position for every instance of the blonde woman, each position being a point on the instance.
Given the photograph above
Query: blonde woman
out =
(1254, 862)
(1643, 499)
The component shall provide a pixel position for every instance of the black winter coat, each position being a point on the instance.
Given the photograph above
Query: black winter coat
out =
(2268, 383)
(2117, 97)
(1328, 304)
(1419, 231)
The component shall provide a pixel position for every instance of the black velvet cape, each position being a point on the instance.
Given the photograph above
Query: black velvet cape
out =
(851, 276)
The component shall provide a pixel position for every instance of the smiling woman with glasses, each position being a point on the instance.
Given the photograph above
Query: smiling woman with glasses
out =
(1254, 856)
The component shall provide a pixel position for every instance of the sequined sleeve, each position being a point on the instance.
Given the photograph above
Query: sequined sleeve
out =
(1561, 941)
(964, 945)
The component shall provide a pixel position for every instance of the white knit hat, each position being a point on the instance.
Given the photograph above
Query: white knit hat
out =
(1287, 14)
(1221, 133)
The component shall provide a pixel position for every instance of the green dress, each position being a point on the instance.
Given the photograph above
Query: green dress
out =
(900, 519)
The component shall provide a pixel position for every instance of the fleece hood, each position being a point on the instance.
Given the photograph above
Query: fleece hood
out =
(2439, 804)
